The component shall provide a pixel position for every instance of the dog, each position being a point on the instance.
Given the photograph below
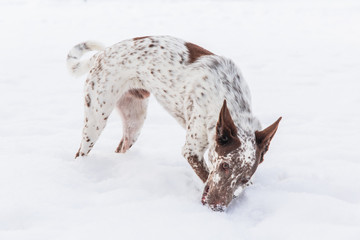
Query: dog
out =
(204, 92)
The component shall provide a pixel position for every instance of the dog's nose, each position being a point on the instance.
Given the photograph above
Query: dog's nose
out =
(217, 207)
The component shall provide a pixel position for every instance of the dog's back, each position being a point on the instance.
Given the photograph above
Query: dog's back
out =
(157, 64)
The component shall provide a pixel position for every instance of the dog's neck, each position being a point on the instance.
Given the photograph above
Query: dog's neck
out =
(232, 88)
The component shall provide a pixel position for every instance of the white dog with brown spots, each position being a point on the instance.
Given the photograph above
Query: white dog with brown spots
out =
(204, 92)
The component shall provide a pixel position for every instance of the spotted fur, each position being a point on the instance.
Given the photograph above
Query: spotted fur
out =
(191, 83)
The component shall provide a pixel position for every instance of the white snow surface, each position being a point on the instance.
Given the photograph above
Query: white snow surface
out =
(301, 60)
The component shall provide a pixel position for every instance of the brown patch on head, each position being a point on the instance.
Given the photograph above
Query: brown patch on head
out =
(196, 51)
(263, 139)
(139, 38)
(231, 166)
(139, 93)
(226, 133)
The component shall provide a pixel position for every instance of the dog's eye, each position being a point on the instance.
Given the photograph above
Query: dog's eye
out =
(225, 166)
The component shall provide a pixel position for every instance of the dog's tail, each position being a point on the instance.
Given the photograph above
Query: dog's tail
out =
(77, 67)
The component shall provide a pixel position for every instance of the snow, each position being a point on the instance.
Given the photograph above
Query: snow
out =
(301, 61)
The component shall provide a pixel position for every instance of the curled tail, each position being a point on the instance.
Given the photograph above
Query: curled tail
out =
(77, 67)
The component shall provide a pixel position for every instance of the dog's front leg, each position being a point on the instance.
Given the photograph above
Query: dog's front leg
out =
(199, 166)
(194, 148)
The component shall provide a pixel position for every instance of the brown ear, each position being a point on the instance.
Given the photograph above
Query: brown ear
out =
(225, 128)
(264, 137)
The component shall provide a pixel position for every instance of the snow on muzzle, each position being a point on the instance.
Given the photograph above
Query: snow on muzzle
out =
(216, 198)
(219, 200)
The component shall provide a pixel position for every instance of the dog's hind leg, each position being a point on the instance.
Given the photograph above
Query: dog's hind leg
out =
(132, 107)
(96, 115)
(100, 100)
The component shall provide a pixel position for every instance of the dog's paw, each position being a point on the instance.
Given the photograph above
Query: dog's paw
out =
(124, 145)
(78, 154)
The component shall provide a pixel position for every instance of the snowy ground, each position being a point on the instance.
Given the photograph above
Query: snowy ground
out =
(301, 60)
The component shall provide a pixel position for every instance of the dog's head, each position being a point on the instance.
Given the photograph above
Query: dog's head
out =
(235, 158)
